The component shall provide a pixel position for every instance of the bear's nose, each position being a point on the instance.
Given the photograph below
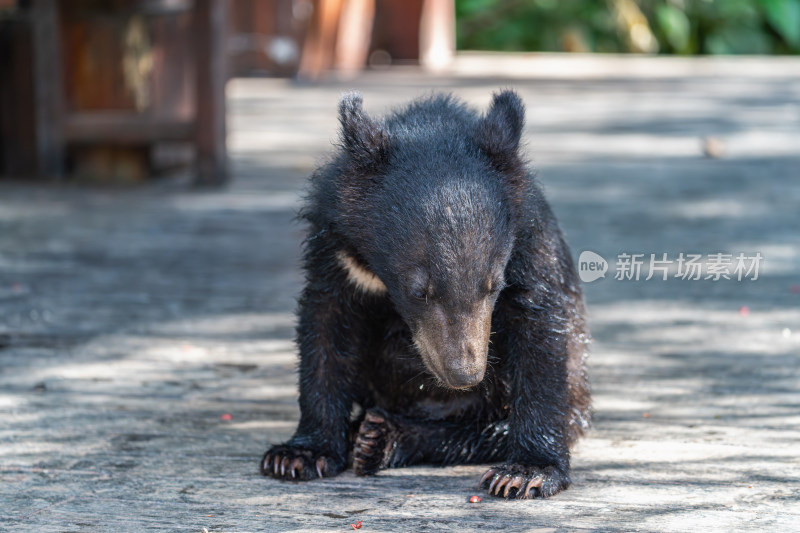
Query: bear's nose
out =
(463, 376)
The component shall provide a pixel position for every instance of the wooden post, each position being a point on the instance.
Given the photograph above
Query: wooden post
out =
(437, 34)
(47, 88)
(355, 35)
(318, 50)
(211, 73)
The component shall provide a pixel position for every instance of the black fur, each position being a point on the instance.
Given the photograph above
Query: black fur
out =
(436, 201)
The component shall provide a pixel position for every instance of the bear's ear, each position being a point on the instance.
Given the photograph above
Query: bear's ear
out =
(499, 131)
(363, 138)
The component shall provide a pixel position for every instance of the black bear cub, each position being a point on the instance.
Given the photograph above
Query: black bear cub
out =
(442, 321)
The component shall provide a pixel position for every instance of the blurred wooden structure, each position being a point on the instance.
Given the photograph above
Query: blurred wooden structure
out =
(312, 38)
(93, 86)
(347, 35)
(265, 37)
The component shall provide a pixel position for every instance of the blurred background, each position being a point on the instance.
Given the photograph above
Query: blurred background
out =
(116, 91)
(146, 312)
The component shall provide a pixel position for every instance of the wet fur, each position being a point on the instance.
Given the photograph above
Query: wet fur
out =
(356, 347)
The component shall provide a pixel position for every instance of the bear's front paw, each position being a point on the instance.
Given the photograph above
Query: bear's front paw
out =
(299, 464)
(520, 481)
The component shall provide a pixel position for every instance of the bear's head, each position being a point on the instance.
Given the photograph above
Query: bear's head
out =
(429, 200)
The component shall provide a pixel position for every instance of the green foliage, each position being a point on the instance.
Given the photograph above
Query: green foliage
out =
(675, 26)
(665, 26)
(784, 17)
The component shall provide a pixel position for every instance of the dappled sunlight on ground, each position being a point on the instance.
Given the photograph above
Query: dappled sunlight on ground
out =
(146, 352)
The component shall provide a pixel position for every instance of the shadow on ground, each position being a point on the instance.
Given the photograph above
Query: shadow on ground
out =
(132, 320)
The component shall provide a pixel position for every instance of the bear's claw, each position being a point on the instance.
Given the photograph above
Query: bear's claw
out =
(523, 482)
(291, 463)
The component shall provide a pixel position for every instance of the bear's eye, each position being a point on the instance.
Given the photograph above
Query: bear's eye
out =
(419, 285)
(420, 293)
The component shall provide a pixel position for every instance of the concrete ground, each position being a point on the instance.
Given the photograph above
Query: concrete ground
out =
(132, 320)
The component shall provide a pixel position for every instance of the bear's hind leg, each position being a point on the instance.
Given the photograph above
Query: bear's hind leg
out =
(384, 441)
(373, 443)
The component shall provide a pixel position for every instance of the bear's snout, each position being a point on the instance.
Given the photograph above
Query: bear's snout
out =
(461, 376)
(454, 346)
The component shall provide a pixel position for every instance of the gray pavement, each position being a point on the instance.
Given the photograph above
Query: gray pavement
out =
(132, 320)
